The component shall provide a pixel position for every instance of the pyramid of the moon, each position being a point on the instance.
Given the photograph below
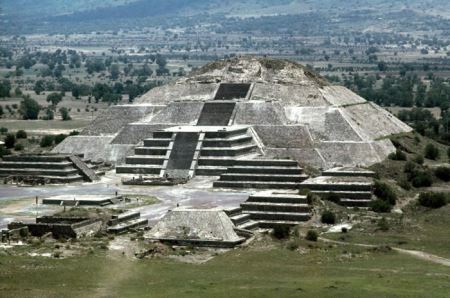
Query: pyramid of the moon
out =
(241, 108)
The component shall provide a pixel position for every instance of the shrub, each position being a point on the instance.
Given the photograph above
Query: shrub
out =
(328, 217)
(404, 183)
(448, 152)
(410, 167)
(65, 114)
(18, 147)
(431, 152)
(21, 134)
(380, 206)
(443, 173)
(385, 192)
(333, 197)
(4, 151)
(47, 141)
(419, 159)
(3, 130)
(433, 199)
(292, 245)
(59, 138)
(311, 235)
(383, 224)
(422, 179)
(398, 155)
(281, 232)
(10, 141)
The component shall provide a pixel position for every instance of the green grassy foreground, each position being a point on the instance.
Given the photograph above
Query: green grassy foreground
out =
(261, 270)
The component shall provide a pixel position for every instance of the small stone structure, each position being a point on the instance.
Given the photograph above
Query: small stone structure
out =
(351, 187)
(83, 200)
(198, 227)
(47, 168)
(61, 227)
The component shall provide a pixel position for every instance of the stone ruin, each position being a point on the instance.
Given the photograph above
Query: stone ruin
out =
(232, 112)
(251, 123)
(48, 168)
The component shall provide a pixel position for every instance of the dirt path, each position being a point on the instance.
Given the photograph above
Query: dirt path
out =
(414, 253)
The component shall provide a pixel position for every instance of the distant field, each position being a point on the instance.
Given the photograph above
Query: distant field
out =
(44, 127)
(268, 270)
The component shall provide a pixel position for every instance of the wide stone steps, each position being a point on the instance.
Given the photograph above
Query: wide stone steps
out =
(39, 165)
(139, 169)
(335, 187)
(275, 207)
(239, 218)
(257, 184)
(357, 195)
(278, 198)
(228, 151)
(219, 142)
(145, 159)
(270, 224)
(210, 170)
(125, 226)
(37, 172)
(125, 221)
(36, 158)
(265, 170)
(163, 142)
(266, 163)
(248, 225)
(278, 216)
(150, 150)
(262, 177)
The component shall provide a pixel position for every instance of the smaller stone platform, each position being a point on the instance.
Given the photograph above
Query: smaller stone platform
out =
(83, 200)
(198, 227)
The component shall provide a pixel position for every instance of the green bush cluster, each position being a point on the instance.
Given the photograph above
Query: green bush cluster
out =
(443, 173)
(418, 175)
(380, 206)
(431, 152)
(21, 134)
(47, 141)
(433, 199)
(281, 232)
(397, 155)
(385, 192)
(312, 235)
(328, 217)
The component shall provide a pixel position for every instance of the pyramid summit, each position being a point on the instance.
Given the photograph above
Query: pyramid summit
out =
(240, 108)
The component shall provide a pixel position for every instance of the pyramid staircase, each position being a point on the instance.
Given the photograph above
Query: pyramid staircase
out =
(352, 190)
(126, 221)
(262, 174)
(214, 150)
(52, 168)
(240, 220)
(272, 209)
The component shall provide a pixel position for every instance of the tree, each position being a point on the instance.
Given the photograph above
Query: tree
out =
(114, 70)
(54, 99)
(5, 88)
(29, 108)
(39, 87)
(382, 66)
(10, 141)
(21, 134)
(431, 152)
(64, 114)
